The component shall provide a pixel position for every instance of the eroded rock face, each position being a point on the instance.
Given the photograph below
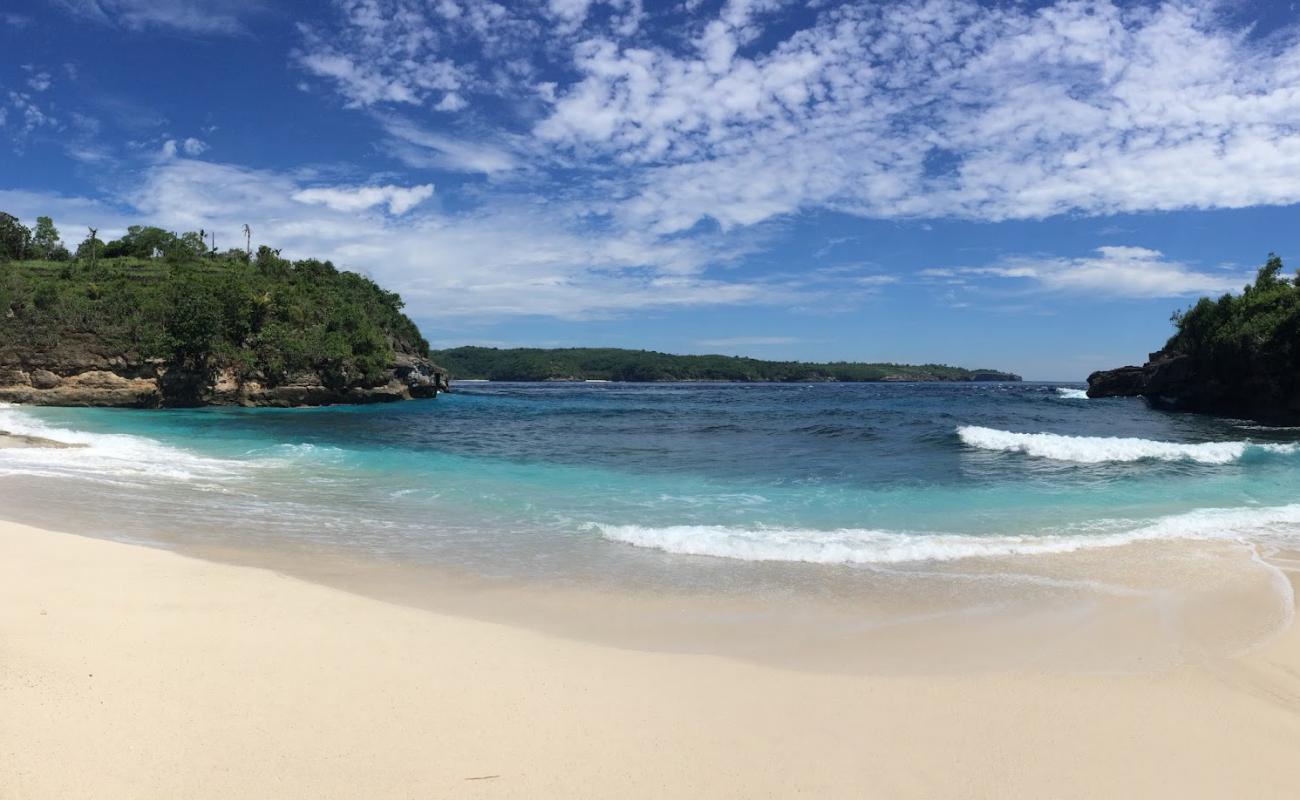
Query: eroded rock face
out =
(93, 380)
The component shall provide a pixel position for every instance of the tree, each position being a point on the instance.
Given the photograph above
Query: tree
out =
(91, 248)
(45, 239)
(15, 238)
(141, 242)
(1268, 274)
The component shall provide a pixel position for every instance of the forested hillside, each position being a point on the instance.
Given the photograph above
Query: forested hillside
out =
(614, 364)
(155, 301)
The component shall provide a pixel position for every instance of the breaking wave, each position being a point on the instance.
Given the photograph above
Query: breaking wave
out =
(1072, 394)
(1102, 449)
(105, 457)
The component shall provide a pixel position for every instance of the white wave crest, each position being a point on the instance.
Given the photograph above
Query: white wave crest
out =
(103, 456)
(1072, 394)
(1102, 449)
(868, 546)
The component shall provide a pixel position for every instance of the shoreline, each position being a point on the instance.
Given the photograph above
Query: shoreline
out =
(1139, 607)
(127, 671)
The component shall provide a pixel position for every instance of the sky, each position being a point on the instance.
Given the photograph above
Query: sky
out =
(1025, 186)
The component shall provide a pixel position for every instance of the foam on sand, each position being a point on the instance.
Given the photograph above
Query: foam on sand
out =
(869, 546)
(1102, 449)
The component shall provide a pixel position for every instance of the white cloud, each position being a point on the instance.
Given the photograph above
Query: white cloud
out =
(1113, 271)
(27, 116)
(571, 12)
(190, 146)
(507, 260)
(399, 199)
(187, 16)
(944, 108)
(40, 81)
(941, 108)
(451, 102)
(419, 147)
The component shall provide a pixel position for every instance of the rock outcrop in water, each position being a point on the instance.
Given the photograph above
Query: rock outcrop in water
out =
(1237, 356)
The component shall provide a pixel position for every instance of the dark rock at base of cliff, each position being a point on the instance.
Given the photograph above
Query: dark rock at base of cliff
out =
(1175, 382)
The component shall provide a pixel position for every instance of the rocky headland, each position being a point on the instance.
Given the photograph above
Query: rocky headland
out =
(155, 319)
(1237, 356)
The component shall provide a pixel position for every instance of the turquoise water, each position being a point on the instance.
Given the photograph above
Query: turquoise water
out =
(667, 483)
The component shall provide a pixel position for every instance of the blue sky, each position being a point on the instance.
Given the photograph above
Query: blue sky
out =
(1029, 186)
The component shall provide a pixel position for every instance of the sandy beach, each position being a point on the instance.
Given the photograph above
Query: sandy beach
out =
(129, 672)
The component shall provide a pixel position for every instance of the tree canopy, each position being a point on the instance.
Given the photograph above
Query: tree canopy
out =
(1246, 343)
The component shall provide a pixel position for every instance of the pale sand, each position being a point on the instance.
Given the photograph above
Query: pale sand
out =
(128, 672)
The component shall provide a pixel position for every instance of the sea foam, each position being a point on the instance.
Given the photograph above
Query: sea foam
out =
(868, 546)
(1102, 449)
(102, 456)
(1072, 394)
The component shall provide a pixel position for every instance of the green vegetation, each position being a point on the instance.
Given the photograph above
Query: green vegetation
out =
(615, 364)
(153, 294)
(1246, 345)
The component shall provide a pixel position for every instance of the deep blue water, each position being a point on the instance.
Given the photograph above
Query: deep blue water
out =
(572, 480)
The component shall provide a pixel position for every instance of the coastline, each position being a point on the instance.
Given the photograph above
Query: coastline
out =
(127, 671)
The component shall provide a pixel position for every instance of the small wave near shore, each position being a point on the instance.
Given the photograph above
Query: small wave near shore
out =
(867, 546)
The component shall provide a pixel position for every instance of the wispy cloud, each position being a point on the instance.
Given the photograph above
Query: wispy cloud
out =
(223, 17)
(419, 147)
(1112, 271)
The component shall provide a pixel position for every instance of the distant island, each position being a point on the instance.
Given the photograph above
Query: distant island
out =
(642, 366)
(1236, 356)
(160, 319)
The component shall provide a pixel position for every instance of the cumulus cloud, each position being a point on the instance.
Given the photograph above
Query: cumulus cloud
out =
(40, 81)
(945, 108)
(399, 199)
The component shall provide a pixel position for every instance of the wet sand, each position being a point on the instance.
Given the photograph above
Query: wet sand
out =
(130, 672)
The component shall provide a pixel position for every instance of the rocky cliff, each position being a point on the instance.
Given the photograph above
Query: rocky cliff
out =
(80, 374)
(1179, 382)
(1236, 355)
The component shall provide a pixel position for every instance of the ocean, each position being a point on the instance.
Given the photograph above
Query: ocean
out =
(677, 488)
